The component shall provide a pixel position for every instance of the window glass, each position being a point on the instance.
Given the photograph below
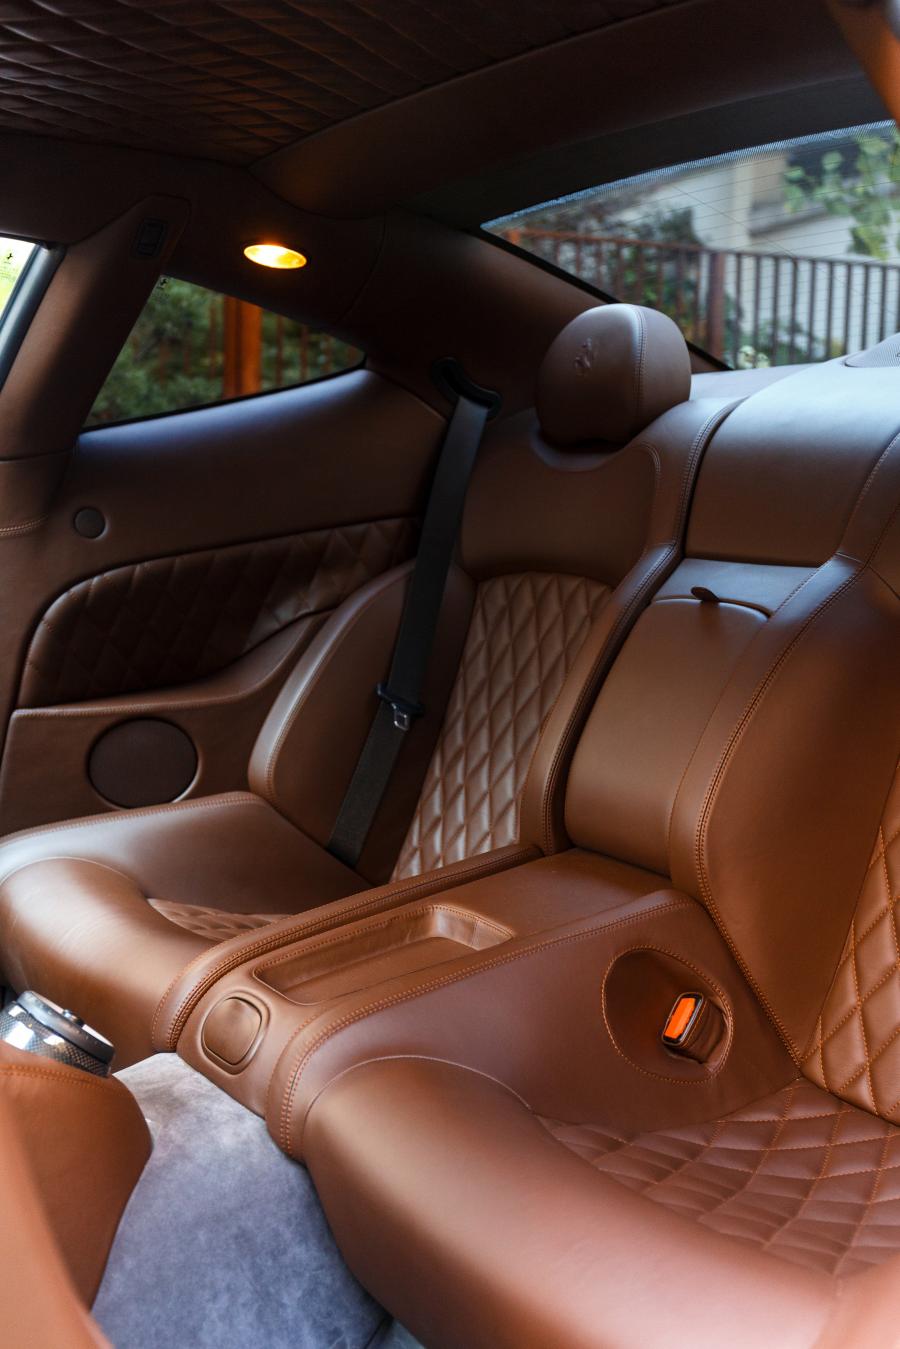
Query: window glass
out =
(15, 254)
(789, 252)
(192, 346)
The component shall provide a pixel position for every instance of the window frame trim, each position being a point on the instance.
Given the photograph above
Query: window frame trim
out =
(25, 299)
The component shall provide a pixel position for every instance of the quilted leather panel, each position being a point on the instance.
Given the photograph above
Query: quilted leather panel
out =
(214, 924)
(166, 622)
(856, 1049)
(800, 1174)
(525, 633)
(232, 80)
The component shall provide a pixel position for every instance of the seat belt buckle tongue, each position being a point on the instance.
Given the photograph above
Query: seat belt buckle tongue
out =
(405, 712)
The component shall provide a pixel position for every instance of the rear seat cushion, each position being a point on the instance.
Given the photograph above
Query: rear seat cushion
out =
(456, 1207)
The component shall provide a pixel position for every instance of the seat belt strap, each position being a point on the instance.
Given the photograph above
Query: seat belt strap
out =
(400, 699)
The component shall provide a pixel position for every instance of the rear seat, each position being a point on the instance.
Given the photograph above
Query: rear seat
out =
(506, 1152)
(571, 521)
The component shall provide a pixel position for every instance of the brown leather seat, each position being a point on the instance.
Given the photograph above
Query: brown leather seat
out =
(535, 1167)
(573, 517)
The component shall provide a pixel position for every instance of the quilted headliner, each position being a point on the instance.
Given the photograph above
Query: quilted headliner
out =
(235, 80)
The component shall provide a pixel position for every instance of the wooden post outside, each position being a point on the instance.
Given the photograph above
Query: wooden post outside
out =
(242, 347)
(715, 306)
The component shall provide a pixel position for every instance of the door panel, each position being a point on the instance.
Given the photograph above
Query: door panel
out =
(229, 533)
(167, 621)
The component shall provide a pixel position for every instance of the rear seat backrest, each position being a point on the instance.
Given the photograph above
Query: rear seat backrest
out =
(565, 505)
(746, 747)
(557, 514)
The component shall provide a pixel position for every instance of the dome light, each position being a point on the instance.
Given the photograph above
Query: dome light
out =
(275, 255)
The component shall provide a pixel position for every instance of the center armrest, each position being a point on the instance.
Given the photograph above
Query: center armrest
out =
(277, 995)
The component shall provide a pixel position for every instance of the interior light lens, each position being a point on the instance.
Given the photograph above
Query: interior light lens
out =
(275, 255)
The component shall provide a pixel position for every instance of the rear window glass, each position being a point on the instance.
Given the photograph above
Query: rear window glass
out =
(785, 253)
(192, 347)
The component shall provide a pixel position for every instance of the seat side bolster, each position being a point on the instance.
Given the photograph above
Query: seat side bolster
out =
(126, 951)
(676, 443)
(304, 774)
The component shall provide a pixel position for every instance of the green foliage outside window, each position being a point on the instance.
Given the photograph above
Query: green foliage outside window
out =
(175, 357)
(860, 186)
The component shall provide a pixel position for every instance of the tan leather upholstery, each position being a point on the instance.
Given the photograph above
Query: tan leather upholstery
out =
(798, 1174)
(525, 633)
(745, 744)
(215, 924)
(41, 1305)
(507, 1203)
(854, 1052)
(303, 773)
(76, 923)
(557, 555)
(86, 1143)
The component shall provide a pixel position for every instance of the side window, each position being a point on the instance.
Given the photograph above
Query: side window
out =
(15, 255)
(192, 347)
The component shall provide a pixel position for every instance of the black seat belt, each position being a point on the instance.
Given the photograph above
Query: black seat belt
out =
(400, 698)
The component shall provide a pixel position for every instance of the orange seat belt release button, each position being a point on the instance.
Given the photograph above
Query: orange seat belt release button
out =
(682, 1019)
(693, 1028)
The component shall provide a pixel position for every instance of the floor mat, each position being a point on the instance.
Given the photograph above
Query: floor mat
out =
(224, 1244)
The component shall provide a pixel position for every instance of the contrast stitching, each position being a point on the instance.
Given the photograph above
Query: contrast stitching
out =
(435, 881)
(420, 1058)
(341, 935)
(9, 530)
(715, 783)
(728, 1018)
(456, 977)
(388, 579)
(123, 817)
(83, 1080)
(622, 625)
(70, 857)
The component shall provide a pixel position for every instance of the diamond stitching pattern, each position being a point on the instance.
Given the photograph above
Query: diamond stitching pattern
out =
(232, 80)
(215, 924)
(800, 1174)
(166, 622)
(525, 633)
(856, 1049)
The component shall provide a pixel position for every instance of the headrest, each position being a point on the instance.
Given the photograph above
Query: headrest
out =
(610, 373)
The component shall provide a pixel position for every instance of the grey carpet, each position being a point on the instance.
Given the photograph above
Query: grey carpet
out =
(224, 1244)
(395, 1336)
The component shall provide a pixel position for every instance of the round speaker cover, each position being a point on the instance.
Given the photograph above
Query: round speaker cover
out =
(142, 763)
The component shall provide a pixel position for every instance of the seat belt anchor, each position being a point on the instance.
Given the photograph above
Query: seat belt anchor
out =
(405, 712)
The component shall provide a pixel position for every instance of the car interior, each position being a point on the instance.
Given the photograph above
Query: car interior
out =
(450, 597)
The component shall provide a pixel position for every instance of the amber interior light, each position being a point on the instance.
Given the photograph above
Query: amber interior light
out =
(275, 255)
